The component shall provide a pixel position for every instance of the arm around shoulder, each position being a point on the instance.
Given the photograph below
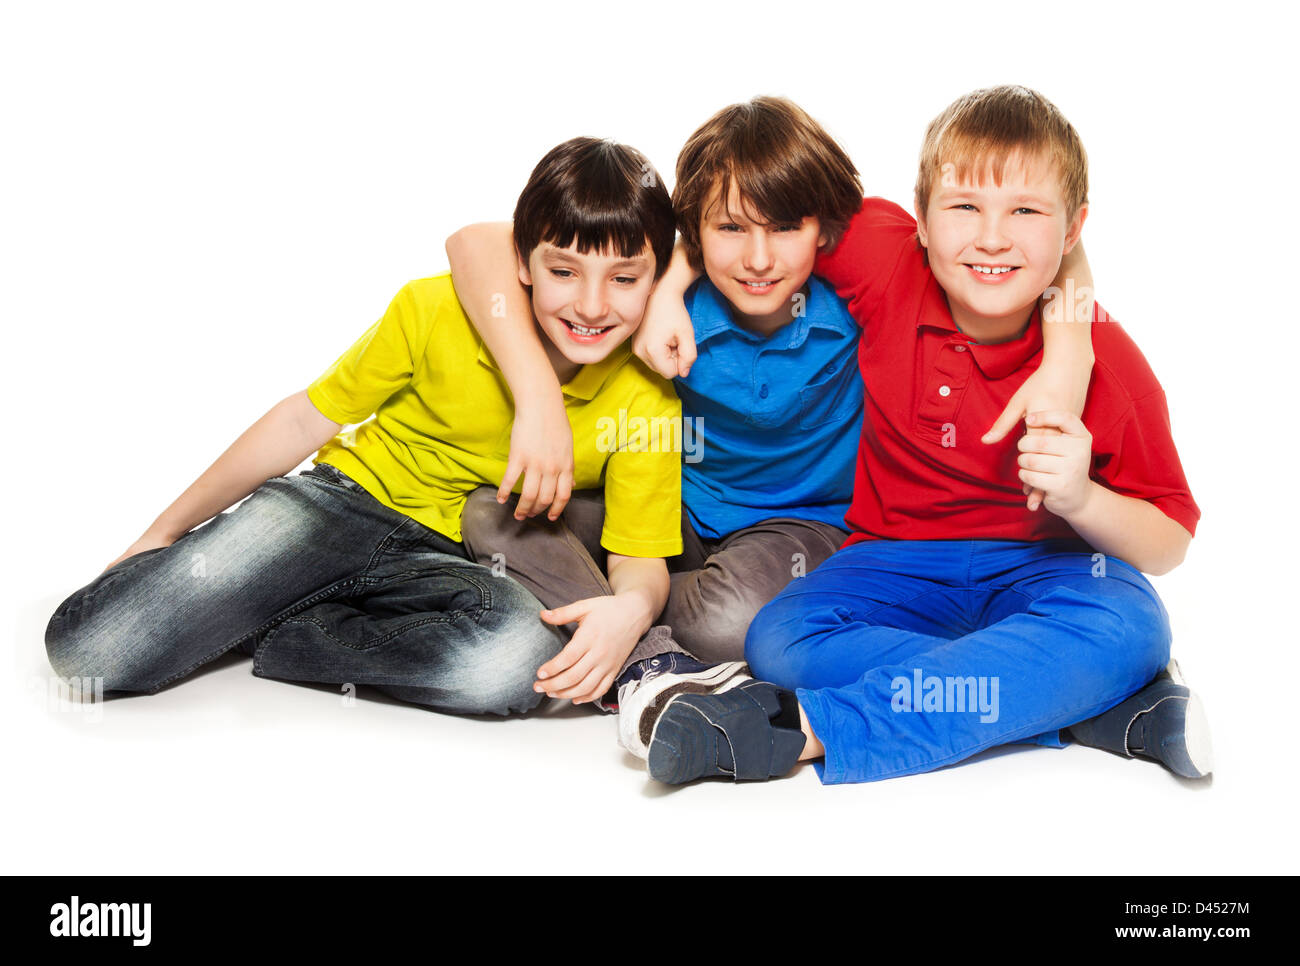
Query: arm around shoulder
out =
(485, 273)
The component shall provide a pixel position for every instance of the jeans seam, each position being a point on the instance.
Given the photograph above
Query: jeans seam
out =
(296, 609)
(877, 609)
(443, 617)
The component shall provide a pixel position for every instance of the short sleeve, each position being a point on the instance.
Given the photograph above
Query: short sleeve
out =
(860, 266)
(1137, 458)
(379, 364)
(643, 479)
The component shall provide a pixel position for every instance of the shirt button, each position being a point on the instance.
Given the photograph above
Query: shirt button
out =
(944, 391)
(762, 391)
(960, 348)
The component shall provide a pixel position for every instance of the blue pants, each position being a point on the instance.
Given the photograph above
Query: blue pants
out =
(910, 655)
(318, 581)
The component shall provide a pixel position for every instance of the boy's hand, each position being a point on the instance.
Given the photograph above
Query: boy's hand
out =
(587, 666)
(1057, 465)
(149, 541)
(1044, 391)
(665, 340)
(541, 448)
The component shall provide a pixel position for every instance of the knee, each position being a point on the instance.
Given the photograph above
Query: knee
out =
(513, 644)
(502, 681)
(77, 645)
(772, 639)
(1126, 632)
(107, 632)
(62, 646)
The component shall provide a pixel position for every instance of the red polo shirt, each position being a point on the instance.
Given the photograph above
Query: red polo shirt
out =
(931, 393)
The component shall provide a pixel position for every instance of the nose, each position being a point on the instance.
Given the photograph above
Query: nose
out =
(758, 252)
(992, 234)
(591, 303)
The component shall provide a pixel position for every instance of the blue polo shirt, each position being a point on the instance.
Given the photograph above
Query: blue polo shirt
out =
(779, 416)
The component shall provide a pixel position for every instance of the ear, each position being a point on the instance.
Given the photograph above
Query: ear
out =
(920, 226)
(525, 276)
(1075, 230)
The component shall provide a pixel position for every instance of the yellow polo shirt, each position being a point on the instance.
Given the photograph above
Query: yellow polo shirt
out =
(443, 414)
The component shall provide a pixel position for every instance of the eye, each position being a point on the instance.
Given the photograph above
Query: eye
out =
(964, 206)
(730, 226)
(625, 279)
(1028, 211)
(788, 226)
(561, 273)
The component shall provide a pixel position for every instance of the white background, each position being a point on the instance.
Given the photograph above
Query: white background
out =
(203, 205)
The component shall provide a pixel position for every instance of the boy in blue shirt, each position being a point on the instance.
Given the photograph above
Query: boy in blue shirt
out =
(775, 409)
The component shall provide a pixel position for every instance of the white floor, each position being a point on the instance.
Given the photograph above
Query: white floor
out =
(228, 773)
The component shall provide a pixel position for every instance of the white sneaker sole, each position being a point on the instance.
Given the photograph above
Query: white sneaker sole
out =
(1197, 734)
(643, 698)
(1196, 725)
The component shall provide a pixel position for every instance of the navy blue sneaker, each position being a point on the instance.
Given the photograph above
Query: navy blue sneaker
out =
(646, 687)
(747, 733)
(1163, 722)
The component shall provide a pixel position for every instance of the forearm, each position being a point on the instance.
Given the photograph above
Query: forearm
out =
(1067, 324)
(293, 430)
(1134, 530)
(678, 277)
(641, 582)
(665, 341)
(484, 271)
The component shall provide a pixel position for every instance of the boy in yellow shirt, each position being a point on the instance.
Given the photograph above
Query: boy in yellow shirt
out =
(354, 571)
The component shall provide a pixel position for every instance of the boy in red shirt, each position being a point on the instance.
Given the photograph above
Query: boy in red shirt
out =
(954, 618)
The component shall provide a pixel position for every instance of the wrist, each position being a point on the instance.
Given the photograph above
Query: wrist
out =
(162, 532)
(538, 384)
(636, 607)
(680, 274)
(1087, 499)
(1066, 364)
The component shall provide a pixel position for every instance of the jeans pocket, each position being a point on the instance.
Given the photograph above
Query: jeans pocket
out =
(332, 475)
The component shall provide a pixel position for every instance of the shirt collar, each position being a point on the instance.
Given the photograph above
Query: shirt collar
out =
(711, 315)
(995, 361)
(590, 378)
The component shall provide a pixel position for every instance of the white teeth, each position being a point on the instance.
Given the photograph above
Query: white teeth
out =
(583, 330)
(760, 284)
(985, 270)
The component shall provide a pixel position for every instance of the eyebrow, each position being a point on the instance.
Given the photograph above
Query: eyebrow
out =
(561, 255)
(969, 191)
(640, 261)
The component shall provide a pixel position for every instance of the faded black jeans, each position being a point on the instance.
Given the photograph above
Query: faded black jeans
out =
(317, 581)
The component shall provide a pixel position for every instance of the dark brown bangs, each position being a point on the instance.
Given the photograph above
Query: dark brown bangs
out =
(602, 195)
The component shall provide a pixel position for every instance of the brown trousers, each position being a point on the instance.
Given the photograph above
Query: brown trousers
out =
(717, 585)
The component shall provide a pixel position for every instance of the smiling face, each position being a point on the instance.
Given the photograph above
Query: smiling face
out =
(757, 266)
(996, 248)
(586, 304)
